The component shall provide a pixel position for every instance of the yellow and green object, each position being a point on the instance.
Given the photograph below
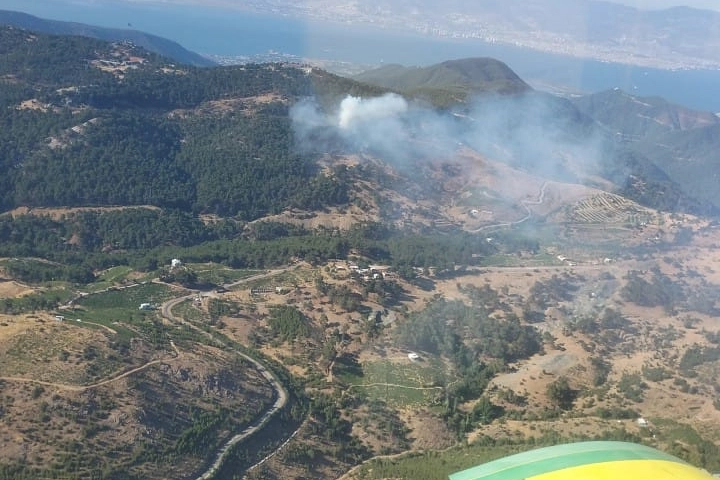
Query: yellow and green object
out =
(586, 461)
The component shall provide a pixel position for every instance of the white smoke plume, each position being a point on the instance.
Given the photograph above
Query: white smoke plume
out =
(386, 125)
(358, 111)
(534, 132)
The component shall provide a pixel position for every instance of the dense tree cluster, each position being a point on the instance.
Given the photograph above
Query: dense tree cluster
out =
(466, 334)
(75, 238)
(147, 238)
(561, 394)
(556, 289)
(45, 60)
(659, 291)
(288, 323)
(99, 138)
(697, 355)
(406, 250)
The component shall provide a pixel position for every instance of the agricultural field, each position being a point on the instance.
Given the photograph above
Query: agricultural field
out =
(123, 299)
(111, 277)
(608, 209)
(399, 381)
(216, 274)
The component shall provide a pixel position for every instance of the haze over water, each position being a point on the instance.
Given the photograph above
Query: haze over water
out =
(217, 31)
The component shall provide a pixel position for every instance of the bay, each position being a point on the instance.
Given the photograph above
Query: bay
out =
(232, 32)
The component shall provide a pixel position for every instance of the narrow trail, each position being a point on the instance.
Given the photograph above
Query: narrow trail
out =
(525, 204)
(105, 327)
(394, 385)
(81, 388)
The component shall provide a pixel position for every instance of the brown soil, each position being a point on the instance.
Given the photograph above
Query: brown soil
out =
(58, 213)
(427, 431)
(12, 289)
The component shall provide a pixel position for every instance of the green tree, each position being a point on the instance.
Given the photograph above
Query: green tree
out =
(561, 394)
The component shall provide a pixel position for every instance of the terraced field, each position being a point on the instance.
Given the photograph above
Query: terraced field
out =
(607, 208)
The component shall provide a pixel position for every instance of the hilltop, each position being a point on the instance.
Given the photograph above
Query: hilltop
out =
(462, 77)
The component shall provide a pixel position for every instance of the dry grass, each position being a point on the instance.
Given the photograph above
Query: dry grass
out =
(13, 289)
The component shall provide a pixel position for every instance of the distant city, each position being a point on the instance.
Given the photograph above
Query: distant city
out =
(678, 39)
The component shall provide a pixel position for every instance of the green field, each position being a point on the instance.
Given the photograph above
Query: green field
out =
(120, 306)
(217, 274)
(399, 383)
(128, 298)
(110, 277)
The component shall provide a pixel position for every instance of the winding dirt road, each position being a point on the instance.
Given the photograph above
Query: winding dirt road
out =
(525, 204)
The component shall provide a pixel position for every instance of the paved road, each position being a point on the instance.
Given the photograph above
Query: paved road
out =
(281, 395)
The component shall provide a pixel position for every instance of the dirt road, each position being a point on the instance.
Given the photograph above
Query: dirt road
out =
(525, 204)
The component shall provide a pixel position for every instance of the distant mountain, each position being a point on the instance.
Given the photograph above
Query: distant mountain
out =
(682, 142)
(152, 43)
(537, 132)
(453, 78)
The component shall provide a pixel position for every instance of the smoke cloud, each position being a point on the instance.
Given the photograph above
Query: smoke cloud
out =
(357, 111)
(536, 132)
(387, 126)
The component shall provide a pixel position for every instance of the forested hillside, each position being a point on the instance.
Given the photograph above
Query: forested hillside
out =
(91, 123)
(445, 83)
(681, 142)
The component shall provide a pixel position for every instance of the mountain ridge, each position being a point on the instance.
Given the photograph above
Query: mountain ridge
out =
(467, 76)
(681, 141)
(533, 127)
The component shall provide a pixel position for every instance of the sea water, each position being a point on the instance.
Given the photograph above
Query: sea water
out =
(233, 32)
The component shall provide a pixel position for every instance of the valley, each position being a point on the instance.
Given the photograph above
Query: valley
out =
(269, 271)
(623, 360)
